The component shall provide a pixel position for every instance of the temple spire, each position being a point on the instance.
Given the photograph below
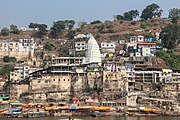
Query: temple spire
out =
(93, 54)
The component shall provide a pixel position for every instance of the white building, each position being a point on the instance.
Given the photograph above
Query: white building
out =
(80, 46)
(93, 54)
(108, 47)
(23, 48)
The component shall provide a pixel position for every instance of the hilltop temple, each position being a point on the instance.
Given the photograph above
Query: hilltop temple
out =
(93, 54)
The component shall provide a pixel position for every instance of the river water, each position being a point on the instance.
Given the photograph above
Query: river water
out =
(97, 118)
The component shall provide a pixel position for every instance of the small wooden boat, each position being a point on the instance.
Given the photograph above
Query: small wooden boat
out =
(97, 114)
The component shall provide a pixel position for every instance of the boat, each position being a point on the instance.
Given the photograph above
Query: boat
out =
(97, 114)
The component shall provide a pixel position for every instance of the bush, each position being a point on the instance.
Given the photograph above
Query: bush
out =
(143, 25)
(6, 59)
(121, 22)
(110, 31)
(12, 59)
(9, 59)
(5, 31)
(48, 47)
(6, 70)
(96, 22)
(133, 23)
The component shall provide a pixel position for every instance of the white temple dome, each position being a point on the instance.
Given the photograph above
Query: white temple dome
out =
(93, 54)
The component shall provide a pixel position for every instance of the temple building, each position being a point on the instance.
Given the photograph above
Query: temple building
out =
(93, 54)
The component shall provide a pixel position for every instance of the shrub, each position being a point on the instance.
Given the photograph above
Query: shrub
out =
(133, 22)
(12, 59)
(48, 47)
(6, 59)
(110, 31)
(143, 25)
(121, 22)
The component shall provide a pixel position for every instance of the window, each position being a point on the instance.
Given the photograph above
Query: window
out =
(64, 80)
(68, 79)
(39, 81)
(59, 79)
(54, 79)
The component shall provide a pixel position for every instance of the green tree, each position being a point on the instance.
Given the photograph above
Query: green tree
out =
(69, 24)
(174, 14)
(130, 15)
(48, 47)
(171, 59)
(70, 34)
(6, 70)
(14, 29)
(96, 22)
(42, 30)
(151, 11)
(119, 17)
(57, 27)
(170, 36)
(6, 59)
(5, 31)
(33, 25)
(12, 59)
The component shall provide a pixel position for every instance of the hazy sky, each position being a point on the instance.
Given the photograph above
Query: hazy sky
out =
(22, 12)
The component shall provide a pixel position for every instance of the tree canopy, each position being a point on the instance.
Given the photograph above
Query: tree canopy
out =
(5, 31)
(70, 34)
(58, 26)
(96, 22)
(14, 29)
(174, 14)
(170, 36)
(151, 11)
(130, 15)
(171, 59)
(41, 29)
(6, 69)
(56, 29)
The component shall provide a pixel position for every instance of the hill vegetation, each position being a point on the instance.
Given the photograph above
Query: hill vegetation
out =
(132, 22)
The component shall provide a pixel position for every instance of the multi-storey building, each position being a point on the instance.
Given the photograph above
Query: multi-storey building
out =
(108, 47)
(23, 48)
(80, 46)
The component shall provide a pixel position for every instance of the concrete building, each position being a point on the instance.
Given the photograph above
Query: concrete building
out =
(133, 39)
(80, 46)
(23, 48)
(56, 81)
(140, 39)
(108, 47)
(21, 72)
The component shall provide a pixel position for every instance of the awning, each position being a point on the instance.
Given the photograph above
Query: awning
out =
(16, 103)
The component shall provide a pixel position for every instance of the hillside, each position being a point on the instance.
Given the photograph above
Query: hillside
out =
(106, 31)
(114, 30)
